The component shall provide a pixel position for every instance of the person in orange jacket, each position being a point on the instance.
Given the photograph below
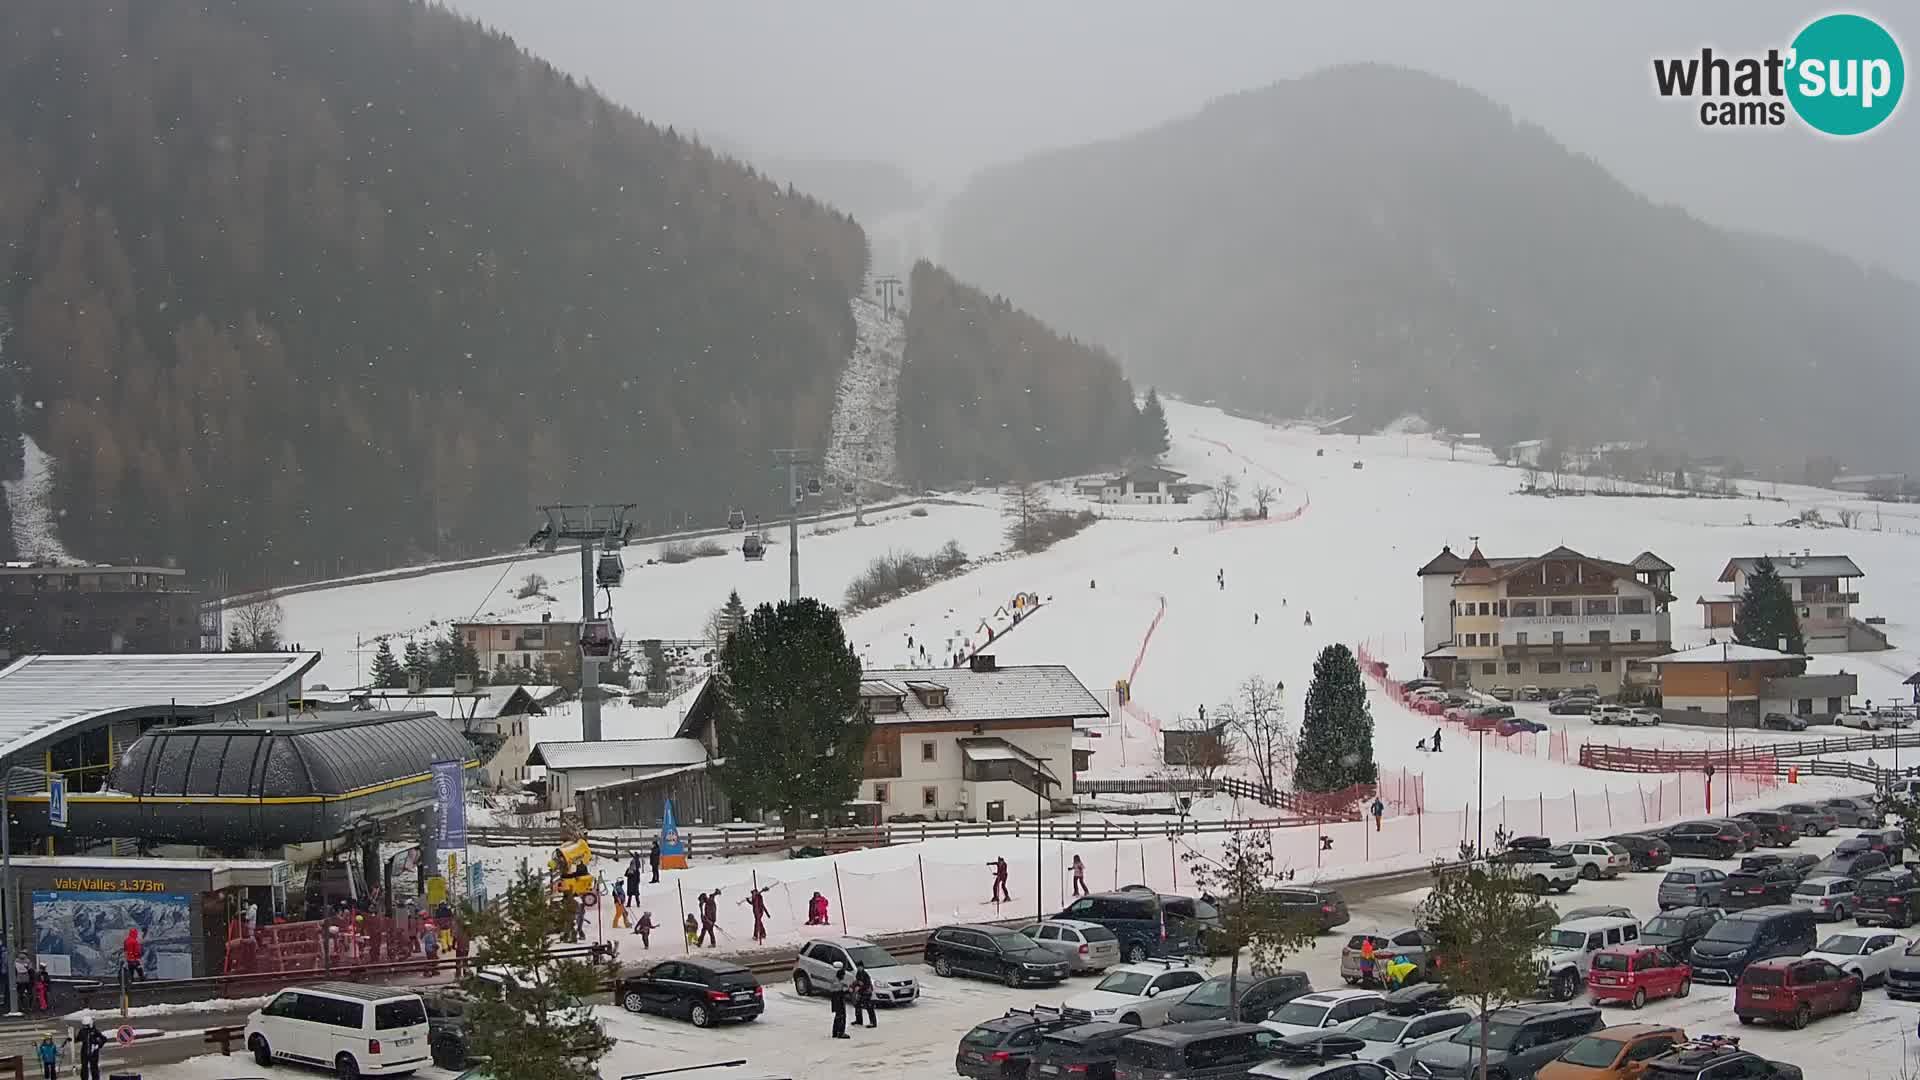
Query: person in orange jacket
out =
(131, 948)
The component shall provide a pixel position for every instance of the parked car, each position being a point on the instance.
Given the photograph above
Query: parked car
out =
(1634, 975)
(1613, 1053)
(1889, 897)
(1889, 842)
(1488, 717)
(1003, 1047)
(1704, 839)
(1744, 937)
(1596, 859)
(1083, 1052)
(1407, 943)
(992, 952)
(1259, 995)
(450, 1030)
(1758, 888)
(1571, 706)
(1690, 886)
(1422, 683)
(1779, 721)
(1907, 790)
(1083, 945)
(1529, 693)
(1137, 917)
(1542, 869)
(1856, 717)
(1569, 948)
(1393, 1039)
(1316, 1055)
(1750, 835)
(1324, 907)
(1828, 896)
(1647, 852)
(1716, 1057)
(1597, 911)
(702, 990)
(1776, 829)
(1501, 693)
(1677, 930)
(1139, 994)
(1518, 725)
(1642, 718)
(1520, 1040)
(1868, 954)
(1201, 1050)
(1814, 820)
(1859, 813)
(1903, 974)
(1794, 991)
(1801, 863)
(346, 1028)
(1854, 862)
(1608, 714)
(893, 981)
(1324, 1009)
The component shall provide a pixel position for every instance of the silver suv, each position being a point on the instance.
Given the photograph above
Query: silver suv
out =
(1083, 945)
(893, 981)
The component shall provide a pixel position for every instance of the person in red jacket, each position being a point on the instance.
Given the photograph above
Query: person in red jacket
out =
(131, 947)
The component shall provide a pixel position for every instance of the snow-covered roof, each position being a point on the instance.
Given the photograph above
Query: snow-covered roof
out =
(484, 703)
(992, 749)
(1036, 692)
(1796, 566)
(1444, 563)
(618, 754)
(42, 697)
(644, 774)
(1728, 653)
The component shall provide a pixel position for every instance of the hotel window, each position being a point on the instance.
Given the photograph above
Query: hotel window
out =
(1496, 641)
(927, 750)
(1513, 668)
(1520, 639)
(1634, 634)
(1606, 665)
(1560, 607)
(1600, 607)
(1526, 609)
(1559, 637)
(1836, 612)
(1633, 605)
(1549, 667)
(1489, 669)
(930, 797)
(1599, 637)
(879, 793)
(1579, 667)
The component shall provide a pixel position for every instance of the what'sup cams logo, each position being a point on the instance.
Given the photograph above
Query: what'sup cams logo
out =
(1842, 75)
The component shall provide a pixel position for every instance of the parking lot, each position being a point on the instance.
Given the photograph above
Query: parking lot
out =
(792, 1038)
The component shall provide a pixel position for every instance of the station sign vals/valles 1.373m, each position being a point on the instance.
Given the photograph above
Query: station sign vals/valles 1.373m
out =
(1841, 75)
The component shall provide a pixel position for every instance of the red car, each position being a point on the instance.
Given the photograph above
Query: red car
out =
(1637, 974)
(1794, 990)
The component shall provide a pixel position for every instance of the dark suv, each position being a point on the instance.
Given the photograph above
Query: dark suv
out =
(1677, 929)
(1520, 1039)
(1147, 923)
(1201, 1050)
(993, 952)
(1647, 852)
(1852, 857)
(1707, 839)
(1715, 1057)
(1746, 936)
(1777, 829)
(1259, 995)
(702, 989)
(1083, 1052)
(1001, 1048)
(1887, 897)
(1758, 886)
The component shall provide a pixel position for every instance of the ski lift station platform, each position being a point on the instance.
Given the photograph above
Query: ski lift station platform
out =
(207, 753)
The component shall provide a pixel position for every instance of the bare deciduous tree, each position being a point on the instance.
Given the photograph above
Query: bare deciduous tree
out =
(1257, 718)
(1197, 750)
(530, 586)
(1263, 496)
(1848, 518)
(256, 627)
(1226, 494)
(1023, 508)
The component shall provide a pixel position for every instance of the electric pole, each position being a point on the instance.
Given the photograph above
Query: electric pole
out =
(792, 460)
(606, 527)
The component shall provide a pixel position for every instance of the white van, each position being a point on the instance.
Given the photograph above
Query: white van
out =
(350, 1029)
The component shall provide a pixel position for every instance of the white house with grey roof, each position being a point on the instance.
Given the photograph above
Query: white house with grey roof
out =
(1824, 596)
(573, 767)
(982, 742)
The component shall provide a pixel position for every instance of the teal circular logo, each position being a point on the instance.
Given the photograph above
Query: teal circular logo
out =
(1846, 75)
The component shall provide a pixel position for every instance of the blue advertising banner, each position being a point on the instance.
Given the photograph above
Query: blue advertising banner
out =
(449, 795)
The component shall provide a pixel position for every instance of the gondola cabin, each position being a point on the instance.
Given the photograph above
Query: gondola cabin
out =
(610, 571)
(736, 520)
(596, 640)
(753, 547)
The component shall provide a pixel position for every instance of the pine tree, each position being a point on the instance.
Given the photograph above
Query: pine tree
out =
(1336, 736)
(451, 656)
(732, 614)
(790, 726)
(1154, 439)
(387, 672)
(531, 1028)
(1767, 616)
(235, 643)
(417, 663)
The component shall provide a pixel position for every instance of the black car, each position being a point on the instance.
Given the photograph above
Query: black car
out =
(1801, 863)
(1520, 1039)
(1084, 1051)
(1001, 1048)
(1200, 1050)
(1646, 852)
(701, 989)
(1779, 721)
(1750, 835)
(1777, 829)
(1676, 930)
(1146, 922)
(1814, 820)
(1571, 706)
(1743, 937)
(449, 1039)
(993, 952)
(1259, 995)
(1887, 898)
(1707, 839)
(1855, 862)
(1758, 887)
(1715, 1057)
(1859, 813)
(1324, 908)
(1529, 843)
(1889, 842)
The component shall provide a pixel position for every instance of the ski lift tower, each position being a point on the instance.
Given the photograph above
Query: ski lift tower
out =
(593, 525)
(792, 460)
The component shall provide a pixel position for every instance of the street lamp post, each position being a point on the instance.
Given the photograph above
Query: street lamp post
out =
(1480, 801)
(1039, 857)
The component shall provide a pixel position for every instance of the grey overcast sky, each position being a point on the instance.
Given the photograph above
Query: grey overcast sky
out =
(945, 88)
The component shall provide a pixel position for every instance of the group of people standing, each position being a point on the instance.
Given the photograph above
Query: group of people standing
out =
(858, 986)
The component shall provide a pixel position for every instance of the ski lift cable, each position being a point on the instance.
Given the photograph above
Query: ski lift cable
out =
(496, 586)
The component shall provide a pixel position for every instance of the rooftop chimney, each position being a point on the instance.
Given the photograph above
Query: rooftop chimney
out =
(982, 662)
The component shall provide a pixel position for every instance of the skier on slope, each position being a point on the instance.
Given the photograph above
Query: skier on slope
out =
(1309, 621)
